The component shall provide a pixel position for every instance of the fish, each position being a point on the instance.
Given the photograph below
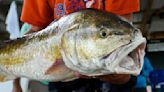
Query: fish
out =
(91, 42)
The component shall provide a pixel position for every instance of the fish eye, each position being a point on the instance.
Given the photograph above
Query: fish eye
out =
(103, 33)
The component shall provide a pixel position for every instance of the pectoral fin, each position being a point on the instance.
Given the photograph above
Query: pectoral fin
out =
(56, 66)
(4, 76)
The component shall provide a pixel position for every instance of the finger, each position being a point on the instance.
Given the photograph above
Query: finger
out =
(77, 74)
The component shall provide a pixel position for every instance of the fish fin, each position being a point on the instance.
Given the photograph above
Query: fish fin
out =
(13, 42)
(2, 44)
(5, 77)
(56, 65)
(2, 78)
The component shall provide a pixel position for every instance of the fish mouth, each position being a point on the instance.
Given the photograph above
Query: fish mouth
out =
(127, 59)
(134, 59)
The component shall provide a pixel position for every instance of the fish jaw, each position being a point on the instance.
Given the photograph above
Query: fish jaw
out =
(130, 59)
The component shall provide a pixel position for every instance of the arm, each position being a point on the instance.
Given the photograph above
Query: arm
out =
(116, 78)
(128, 16)
(16, 86)
(34, 29)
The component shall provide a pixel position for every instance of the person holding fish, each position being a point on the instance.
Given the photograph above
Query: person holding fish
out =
(40, 13)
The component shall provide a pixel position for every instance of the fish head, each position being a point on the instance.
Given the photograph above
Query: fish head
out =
(103, 43)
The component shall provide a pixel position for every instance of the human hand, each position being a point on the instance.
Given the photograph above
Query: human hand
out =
(34, 29)
(77, 74)
(115, 78)
(111, 78)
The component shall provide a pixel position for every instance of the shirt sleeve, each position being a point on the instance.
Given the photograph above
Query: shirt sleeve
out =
(122, 6)
(37, 13)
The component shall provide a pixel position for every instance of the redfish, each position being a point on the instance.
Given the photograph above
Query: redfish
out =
(91, 42)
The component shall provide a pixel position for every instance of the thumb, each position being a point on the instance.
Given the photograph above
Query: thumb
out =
(77, 74)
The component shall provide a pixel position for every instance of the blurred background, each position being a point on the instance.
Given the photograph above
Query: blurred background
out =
(150, 20)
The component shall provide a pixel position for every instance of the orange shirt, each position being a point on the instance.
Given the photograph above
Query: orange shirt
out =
(42, 12)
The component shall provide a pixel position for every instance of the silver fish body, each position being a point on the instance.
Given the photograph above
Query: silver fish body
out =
(91, 42)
